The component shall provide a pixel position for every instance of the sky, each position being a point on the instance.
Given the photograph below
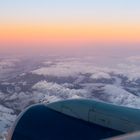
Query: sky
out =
(26, 24)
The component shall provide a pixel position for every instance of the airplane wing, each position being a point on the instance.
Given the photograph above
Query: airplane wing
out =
(131, 136)
(76, 119)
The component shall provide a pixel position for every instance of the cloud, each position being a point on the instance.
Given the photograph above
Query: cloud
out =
(131, 71)
(73, 69)
(133, 59)
(4, 63)
(7, 66)
(100, 75)
(61, 69)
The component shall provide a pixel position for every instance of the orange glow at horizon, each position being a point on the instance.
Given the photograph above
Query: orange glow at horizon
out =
(64, 34)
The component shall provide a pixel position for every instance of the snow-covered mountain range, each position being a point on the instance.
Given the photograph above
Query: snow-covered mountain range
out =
(24, 82)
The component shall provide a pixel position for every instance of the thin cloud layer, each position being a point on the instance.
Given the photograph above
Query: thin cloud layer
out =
(74, 68)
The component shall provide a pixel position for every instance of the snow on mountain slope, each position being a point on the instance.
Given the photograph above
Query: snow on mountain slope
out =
(119, 96)
(49, 89)
(6, 119)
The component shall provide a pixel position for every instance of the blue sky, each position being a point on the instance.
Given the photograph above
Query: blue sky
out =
(54, 10)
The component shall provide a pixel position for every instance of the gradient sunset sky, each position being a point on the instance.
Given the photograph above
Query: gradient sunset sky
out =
(37, 23)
